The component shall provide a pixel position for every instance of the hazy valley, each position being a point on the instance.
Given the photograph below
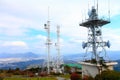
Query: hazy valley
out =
(30, 59)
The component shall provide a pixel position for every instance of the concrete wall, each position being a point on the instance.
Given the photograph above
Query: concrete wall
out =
(93, 69)
(89, 70)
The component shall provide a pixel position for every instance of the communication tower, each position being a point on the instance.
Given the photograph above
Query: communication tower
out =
(59, 60)
(95, 45)
(95, 42)
(53, 64)
(48, 43)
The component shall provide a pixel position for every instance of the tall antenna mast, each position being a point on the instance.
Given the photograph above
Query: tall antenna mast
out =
(58, 39)
(48, 43)
(94, 2)
(97, 7)
(58, 47)
(48, 13)
(109, 9)
(59, 59)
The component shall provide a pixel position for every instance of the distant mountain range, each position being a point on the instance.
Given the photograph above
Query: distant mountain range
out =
(112, 55)
(22, 65)
(19, 55)
(29, 59)
(117, 67)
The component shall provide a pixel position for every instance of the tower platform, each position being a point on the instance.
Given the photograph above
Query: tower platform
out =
(95, 22)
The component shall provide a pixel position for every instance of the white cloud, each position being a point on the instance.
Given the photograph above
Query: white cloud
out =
(13, 46)
(113, 36)
(10, 60)
(12, 25)
(15, 43)
(18, 15)
(41, 37)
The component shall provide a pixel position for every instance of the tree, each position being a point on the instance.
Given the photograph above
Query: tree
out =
(17, 69)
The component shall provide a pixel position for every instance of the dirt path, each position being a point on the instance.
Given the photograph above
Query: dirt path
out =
(60, 78)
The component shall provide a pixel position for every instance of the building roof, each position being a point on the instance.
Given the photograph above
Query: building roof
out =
(74, 65)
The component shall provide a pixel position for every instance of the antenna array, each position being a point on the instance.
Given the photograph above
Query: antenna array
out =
(95, 41)
(56, 62)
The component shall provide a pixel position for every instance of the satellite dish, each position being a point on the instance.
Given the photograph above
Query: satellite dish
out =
(45, 26)
(108, 44)
(84, 45)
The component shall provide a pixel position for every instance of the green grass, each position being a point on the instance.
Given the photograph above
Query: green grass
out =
(18, 77)
(66, 76)
(32, 78)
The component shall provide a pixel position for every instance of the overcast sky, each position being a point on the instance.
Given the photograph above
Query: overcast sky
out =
(22, 24)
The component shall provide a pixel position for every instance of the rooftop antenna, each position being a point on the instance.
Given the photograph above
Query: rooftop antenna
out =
(88, 5)
(85, 15)
(94, 2)
(48, 42)
(97, 7)
(109, 9)
(82, 15)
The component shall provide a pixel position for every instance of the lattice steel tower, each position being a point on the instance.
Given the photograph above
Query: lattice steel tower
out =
(59, 60)
(95, 45)
(95, 42)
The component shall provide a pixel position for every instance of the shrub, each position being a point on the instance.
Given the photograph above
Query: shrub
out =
(108, 75)
(75, 76)
(2, 75)
(55, 74)
(43, 74)
(90, 78)
(1, 78)
(87, 77)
